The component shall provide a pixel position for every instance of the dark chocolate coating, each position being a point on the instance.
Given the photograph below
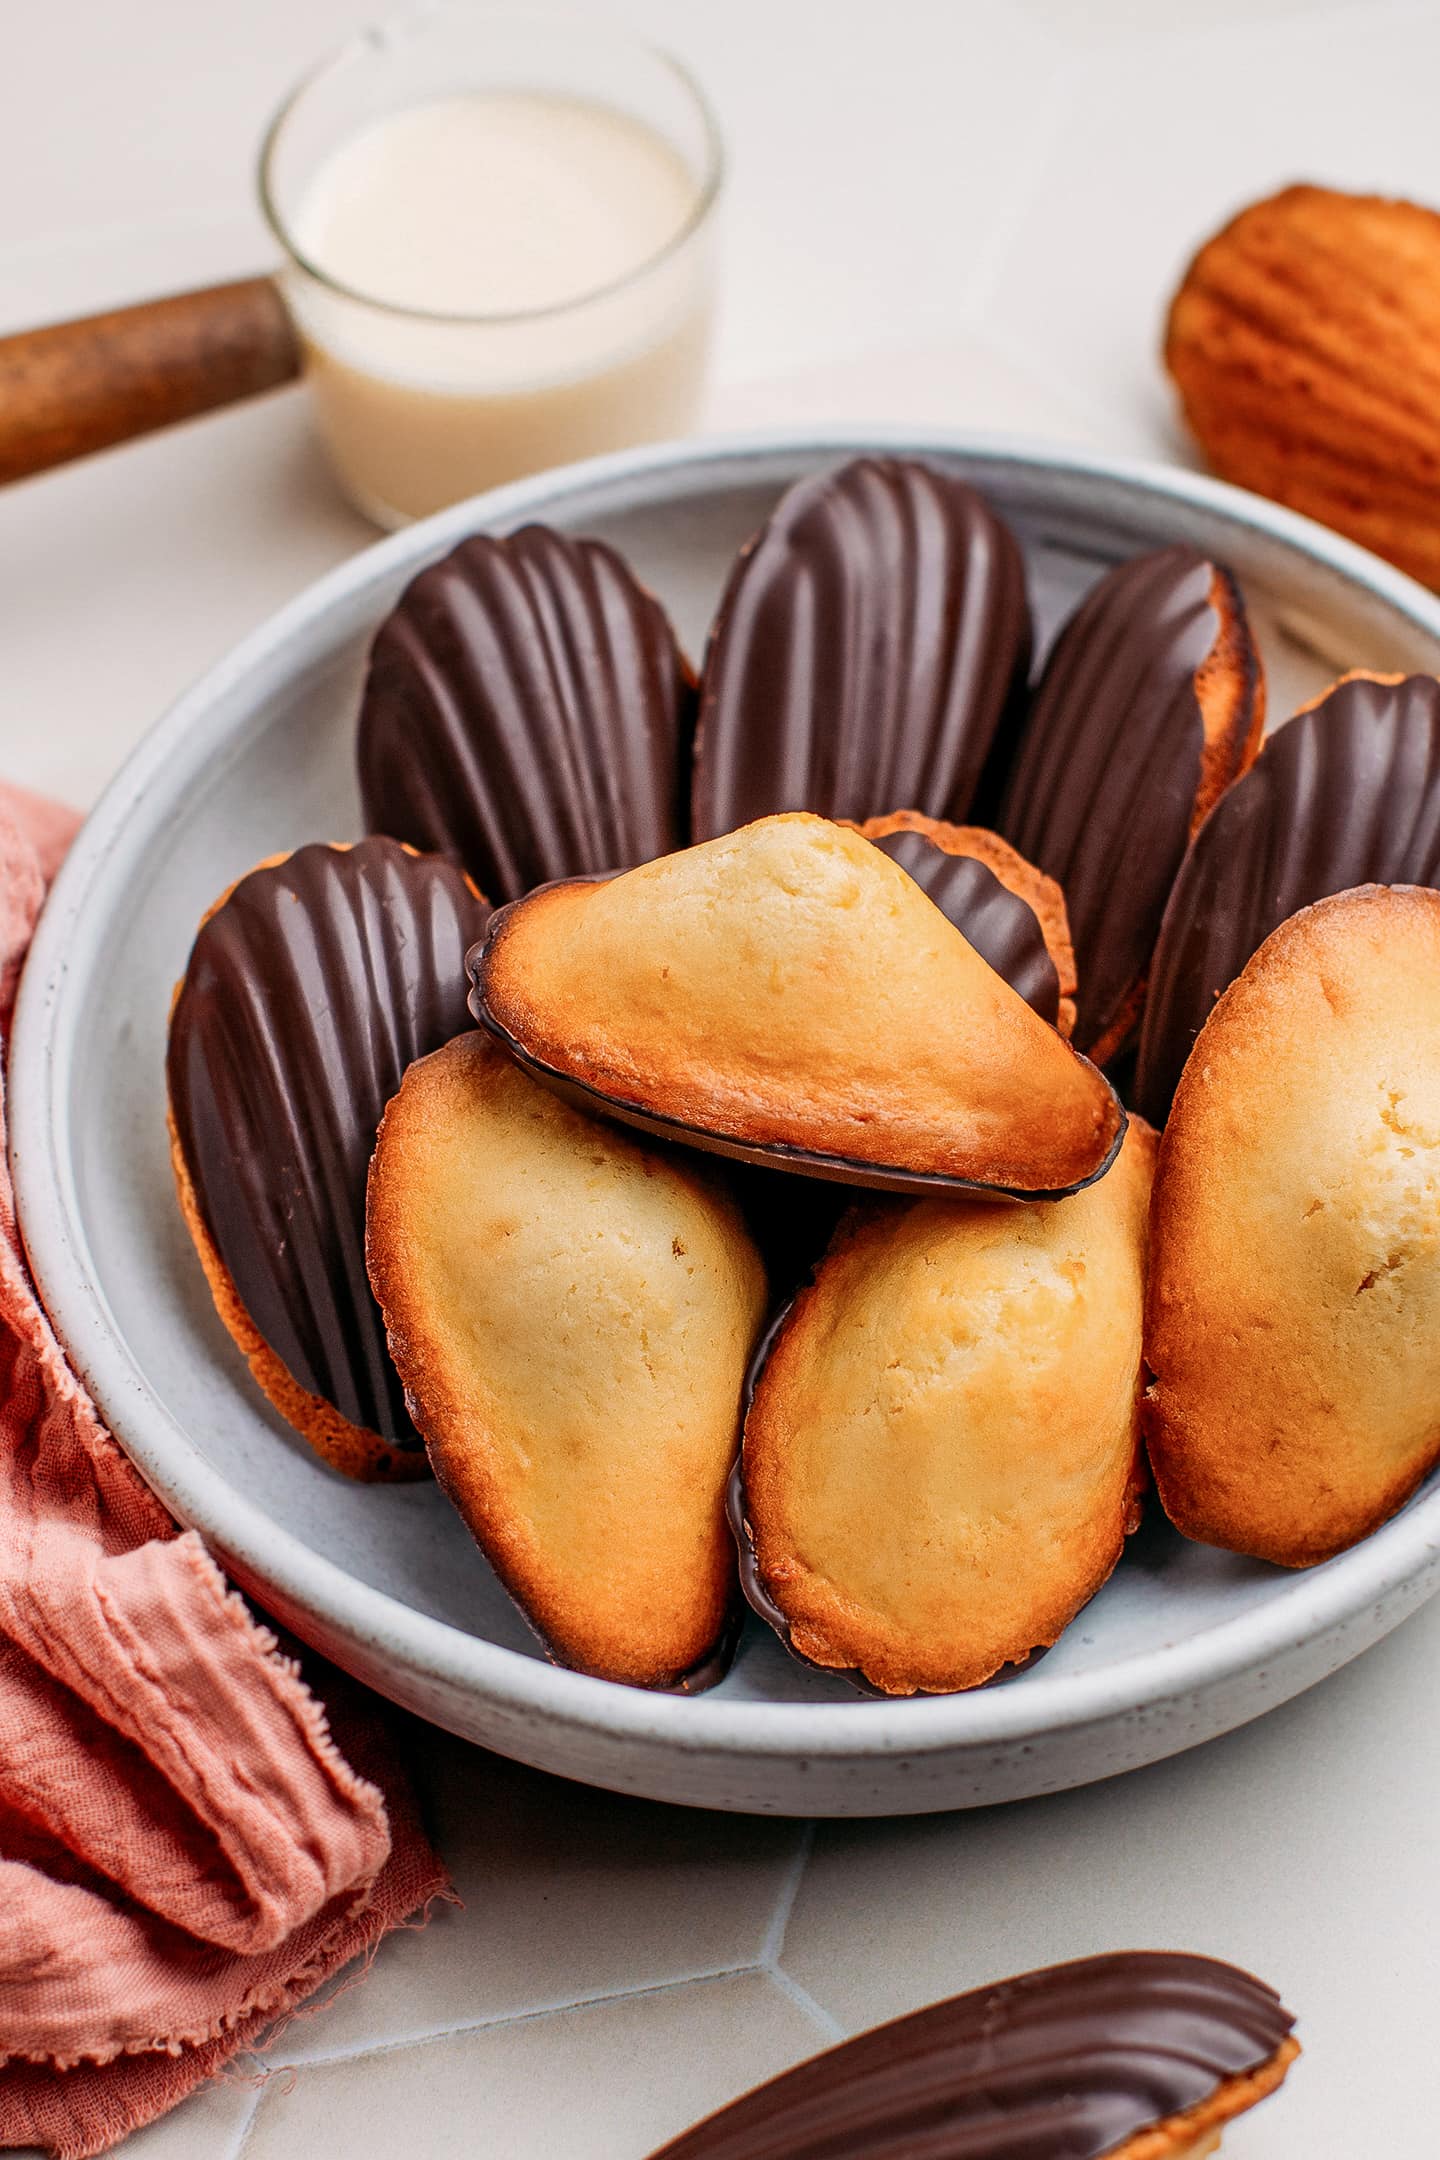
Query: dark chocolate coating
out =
(752, 1582)
(791, 1219)
(1345, 794)
(870, 643)
(1067, 2063)
(527, 710)
(1103, 784)
(1003, 928)
(307, 994)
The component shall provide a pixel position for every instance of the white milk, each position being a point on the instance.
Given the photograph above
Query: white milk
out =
(509, 321)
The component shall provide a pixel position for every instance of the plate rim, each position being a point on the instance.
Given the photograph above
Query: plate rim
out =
(264, 1551)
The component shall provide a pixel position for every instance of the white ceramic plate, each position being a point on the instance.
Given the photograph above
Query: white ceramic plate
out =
(1182, 1644)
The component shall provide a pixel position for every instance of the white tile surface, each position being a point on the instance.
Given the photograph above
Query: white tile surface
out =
(1300, 1847)
(641, 1895)
(602, 2083)
(1163, 139)
(940, 210)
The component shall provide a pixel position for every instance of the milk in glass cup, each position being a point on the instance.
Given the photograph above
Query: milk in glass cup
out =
(499, 248)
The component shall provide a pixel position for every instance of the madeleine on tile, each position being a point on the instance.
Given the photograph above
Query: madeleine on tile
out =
(1293, 1313)
(789, 995)
(572, 1313)
(1133, 2055)
(940, 1462)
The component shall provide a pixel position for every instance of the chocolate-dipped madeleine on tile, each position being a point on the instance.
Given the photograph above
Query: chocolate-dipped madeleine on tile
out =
(572, 1311)
(872, 640)
(310, 987)
(788, 995)
(1011, 913)
(1134, 2055)
(1346, 793)
(1293, 1311)
(527, 710)
(940, 1462)
(1150, 704)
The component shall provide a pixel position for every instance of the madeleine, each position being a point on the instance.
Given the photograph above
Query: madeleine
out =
(789, 995)
(572, 1313)
(1293, 1321)
(940, 1456)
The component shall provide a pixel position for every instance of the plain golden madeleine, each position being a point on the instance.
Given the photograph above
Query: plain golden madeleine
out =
(571, 1313)
(1293, 1313)
(940, 1456)
(789, 994)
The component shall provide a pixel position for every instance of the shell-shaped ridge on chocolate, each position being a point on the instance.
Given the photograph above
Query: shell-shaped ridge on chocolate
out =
(1346, 793)
(309, 989)
(1148, 706)
(1002, 927)
(868, 648)
(1075, 2059)
(527, 710)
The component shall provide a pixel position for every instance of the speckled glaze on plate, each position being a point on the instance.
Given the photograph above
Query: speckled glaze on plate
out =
(1182, 1644)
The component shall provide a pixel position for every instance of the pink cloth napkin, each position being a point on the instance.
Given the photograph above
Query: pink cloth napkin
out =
(185, 1851)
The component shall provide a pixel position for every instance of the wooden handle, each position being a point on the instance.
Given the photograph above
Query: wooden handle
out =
(74, 387)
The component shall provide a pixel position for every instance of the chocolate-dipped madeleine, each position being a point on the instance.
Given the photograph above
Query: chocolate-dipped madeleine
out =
(940, 1458)
(571, 1311)
(788, 995)
(1138, 2055)
(527, 710)
(310, 987)
(1346, 793)
(1011, 913)
(1150, 704)
(1293, 1312)
(872, 639)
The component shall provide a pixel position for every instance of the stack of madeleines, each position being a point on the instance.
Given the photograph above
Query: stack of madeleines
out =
(781, 1227)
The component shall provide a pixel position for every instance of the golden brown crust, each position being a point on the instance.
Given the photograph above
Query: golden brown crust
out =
(352, 1449)
(1197, 2130)
(941, 1458)
(1230, 688)
(571, 1313)
(1040, 893)
(788, 986)
(1304, 341)
(1354, 674)
(1293, 1312)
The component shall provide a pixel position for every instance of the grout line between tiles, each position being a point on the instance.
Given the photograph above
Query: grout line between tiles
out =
(278, 2063)
(805, 2002)
(242, 2136)
(774, 1940)
(774, 1943)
